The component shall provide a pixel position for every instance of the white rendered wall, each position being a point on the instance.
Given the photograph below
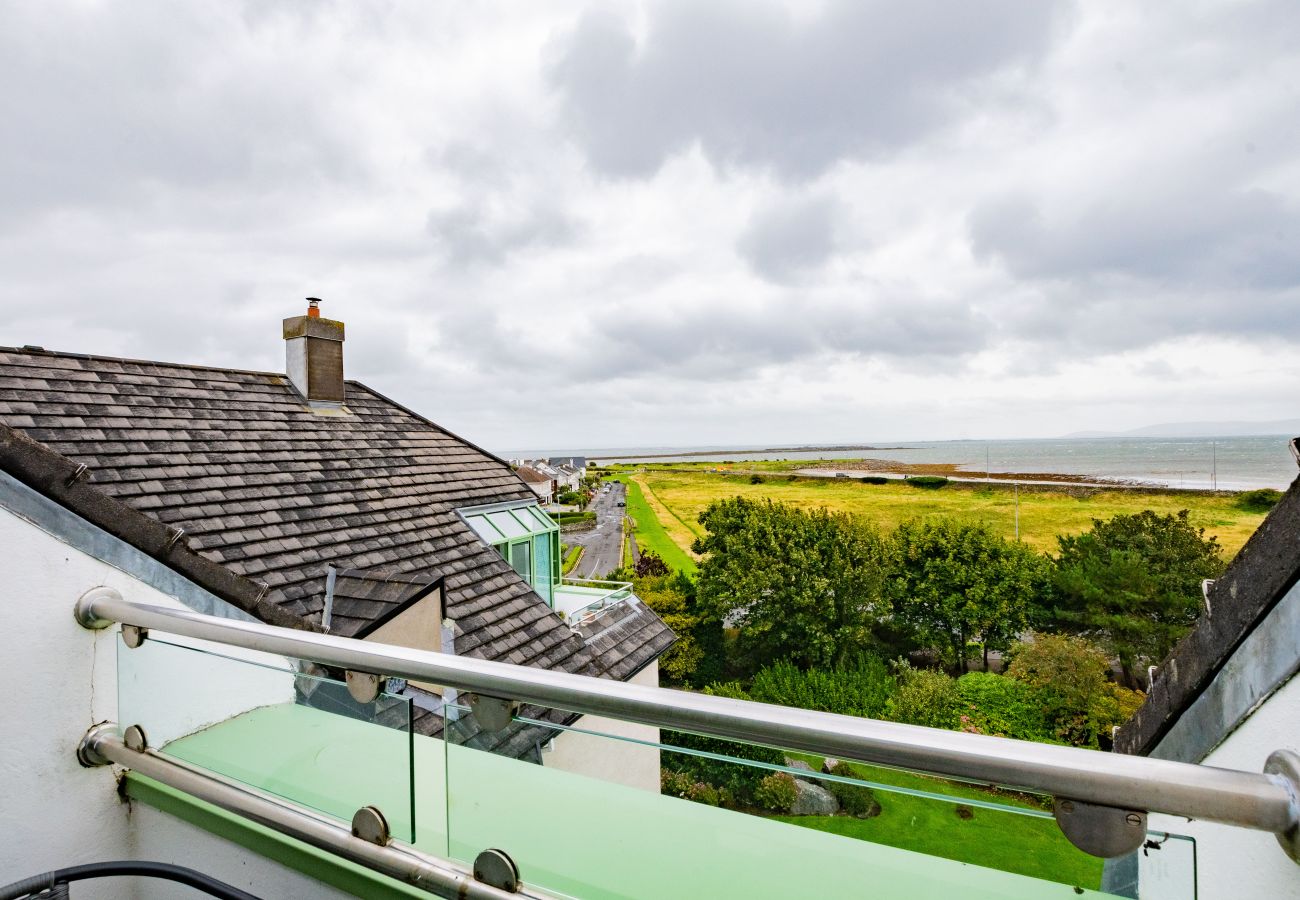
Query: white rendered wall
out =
(1237, 863)
(605, 758)
(62, 680)
(159, 836)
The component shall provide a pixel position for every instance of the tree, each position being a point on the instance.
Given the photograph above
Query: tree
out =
(806, 586)
(695, 658)
(1072, 678)
(1133, 584)
(955, 582)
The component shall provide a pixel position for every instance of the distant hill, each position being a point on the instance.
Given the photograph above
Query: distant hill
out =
(1200, 429)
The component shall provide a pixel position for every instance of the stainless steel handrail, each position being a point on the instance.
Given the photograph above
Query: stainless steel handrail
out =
(1266, 802)
(445, 878)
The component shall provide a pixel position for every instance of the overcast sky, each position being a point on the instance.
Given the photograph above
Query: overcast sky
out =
(594, 225)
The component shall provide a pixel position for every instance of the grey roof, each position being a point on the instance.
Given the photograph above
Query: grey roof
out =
(365, 600)
(228, 477)
(1260, 576)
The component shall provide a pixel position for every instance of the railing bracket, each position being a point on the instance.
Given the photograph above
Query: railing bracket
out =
(82, 611)
(496, 869)
(363, 686)
(369, 824)
(1105, 831)
(133, 635)
(1286, 764)
(88, 749)
(135, 739)
(492, 713)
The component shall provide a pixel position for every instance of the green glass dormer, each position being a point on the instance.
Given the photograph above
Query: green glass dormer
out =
(526, 537)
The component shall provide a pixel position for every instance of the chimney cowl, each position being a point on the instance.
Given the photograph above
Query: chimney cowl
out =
(314, 356)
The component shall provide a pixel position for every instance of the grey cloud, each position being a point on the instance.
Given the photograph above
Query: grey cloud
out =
(752, 86)
(711, 342)
(1212, 236)
(791, 239)
(114, 102)
(468, 235)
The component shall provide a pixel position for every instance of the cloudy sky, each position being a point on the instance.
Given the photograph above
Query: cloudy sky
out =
(615, 224)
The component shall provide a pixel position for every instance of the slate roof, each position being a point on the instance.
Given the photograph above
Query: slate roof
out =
(228, 477)
(1262, 573)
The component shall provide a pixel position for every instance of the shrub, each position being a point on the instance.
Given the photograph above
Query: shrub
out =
(1071, 676)
(755, 479)
(996, 704)
(737, 779)
(862, 688)
(855, 799)
(874, 479)
(776, 792)
(703, 793)
(924, 697)
(1259, 501)
(933, 482)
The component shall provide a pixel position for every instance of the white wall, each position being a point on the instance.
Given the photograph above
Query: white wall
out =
(63, 679)
(159, 836)
(1237, 863)
(608, 759)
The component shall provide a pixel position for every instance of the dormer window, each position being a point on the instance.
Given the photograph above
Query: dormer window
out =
(526, 537)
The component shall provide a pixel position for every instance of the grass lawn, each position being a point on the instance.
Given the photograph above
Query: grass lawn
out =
(650, 532)
(571, 558)
(1044, 513)
(1008, 841)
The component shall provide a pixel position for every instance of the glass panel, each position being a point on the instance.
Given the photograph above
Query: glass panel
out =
(484, 528)
(519, 559)
(257, 721)
(545, 584)
(507, 524)
(543, 520)
(631, 815)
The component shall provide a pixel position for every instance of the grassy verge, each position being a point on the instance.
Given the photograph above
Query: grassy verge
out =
(571, 558)
(650, 532)
(1044, 513)
(1001, 840)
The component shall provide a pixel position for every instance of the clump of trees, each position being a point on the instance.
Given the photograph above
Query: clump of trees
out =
(1133, 584)
(804, 607)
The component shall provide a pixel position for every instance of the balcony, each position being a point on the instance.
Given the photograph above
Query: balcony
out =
(247, 731)
(579, 600)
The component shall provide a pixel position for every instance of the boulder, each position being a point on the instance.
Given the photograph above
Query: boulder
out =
(802, 766)
(813, 800)
(828, 764)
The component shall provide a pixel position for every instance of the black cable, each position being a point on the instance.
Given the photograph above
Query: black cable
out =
(197, 880)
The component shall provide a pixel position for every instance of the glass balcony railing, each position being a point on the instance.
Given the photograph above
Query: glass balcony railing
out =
(258, 721)
(613, 804)
(682, 815)
(578, 600)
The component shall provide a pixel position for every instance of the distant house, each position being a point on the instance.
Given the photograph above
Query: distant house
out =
(307, 501)
(541, 484)
(576, 463)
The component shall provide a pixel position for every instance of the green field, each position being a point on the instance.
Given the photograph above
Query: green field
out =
(1010, 841)
(650, 532)
(682, 493)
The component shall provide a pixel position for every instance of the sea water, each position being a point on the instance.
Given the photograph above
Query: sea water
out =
(1228, 463)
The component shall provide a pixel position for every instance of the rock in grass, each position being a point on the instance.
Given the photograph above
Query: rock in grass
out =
(802, 766)
(813, 800)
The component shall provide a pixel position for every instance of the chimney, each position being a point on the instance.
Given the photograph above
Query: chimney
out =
(314, 356)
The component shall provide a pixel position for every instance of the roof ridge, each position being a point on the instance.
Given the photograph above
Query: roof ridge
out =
(67, 354)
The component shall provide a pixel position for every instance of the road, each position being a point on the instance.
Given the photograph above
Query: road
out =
(604, 543)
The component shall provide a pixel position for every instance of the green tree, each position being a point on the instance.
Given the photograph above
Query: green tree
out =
(1133, 584)
(924, 697)
(955, 582)
(807, 586)
(1072, 679)
(695, 658)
